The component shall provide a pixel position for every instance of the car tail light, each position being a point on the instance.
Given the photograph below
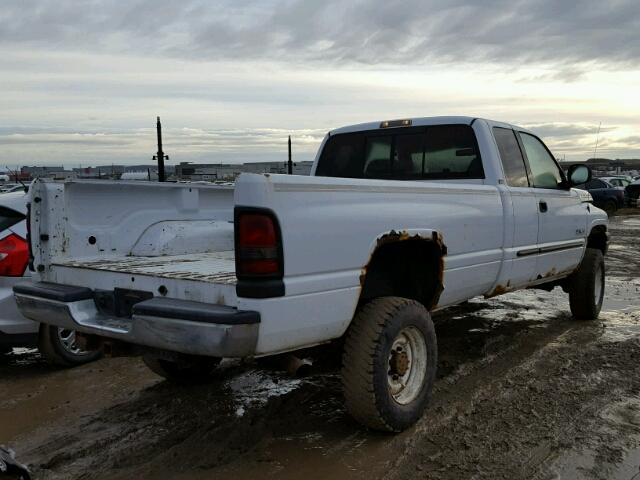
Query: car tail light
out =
(14, 256)
(258, 247)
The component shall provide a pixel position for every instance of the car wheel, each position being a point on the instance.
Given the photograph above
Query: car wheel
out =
(58, 346)
(610, 207)
(389, 363)
(586, 286)
(184, 370)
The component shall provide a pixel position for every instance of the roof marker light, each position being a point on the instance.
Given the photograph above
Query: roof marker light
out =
(395, 123)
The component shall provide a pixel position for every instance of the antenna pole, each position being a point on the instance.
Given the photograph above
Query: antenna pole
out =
(160, 156)
(596, 147)
(290, 162)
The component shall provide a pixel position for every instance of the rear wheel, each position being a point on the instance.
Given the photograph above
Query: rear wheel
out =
(184, 370)
(389, 363)
(610, 207)
(58, 346)
(586, 286)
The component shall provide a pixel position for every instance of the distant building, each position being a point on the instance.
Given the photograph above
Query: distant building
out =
(229, 171)
(36, 171)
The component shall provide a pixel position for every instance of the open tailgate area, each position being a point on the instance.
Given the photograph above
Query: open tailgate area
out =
(169, 239)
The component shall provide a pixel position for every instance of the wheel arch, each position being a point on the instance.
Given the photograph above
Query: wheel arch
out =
(405, 263)
(598, 238)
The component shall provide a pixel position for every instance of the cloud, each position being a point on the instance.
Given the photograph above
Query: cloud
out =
(555, 130)
(137, 145)
(504, 32)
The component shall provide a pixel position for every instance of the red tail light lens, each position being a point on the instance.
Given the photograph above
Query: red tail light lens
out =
(14, 256)
(258, 252)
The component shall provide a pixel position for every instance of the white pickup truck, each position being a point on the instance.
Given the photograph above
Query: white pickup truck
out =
(398, 219)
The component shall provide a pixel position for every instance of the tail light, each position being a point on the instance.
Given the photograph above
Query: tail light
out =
(258, 246)
(14, 256)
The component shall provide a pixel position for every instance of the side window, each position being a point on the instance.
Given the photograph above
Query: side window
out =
(512, 160)
(8, 218)
(451, 153)
(546, 173)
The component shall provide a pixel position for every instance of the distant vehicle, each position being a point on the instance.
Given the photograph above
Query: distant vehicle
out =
(139, 176)
(57, 345)
(632, 194)
(618, 181)
(4, 178)
(605, 195)
(398, 219)
(12, 188)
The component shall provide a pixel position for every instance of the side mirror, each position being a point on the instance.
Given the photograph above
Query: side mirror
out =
(578, 174)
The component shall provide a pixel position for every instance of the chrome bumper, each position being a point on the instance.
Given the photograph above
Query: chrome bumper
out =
(192, 328)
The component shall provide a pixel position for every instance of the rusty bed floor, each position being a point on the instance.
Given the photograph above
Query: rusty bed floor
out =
(216, 267)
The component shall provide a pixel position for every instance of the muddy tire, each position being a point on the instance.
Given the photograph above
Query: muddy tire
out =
(586, 286)
(389, 363)
(184, 371)
(58, 347)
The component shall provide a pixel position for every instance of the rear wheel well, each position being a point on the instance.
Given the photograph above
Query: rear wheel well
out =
(409, 268)
(598, 238)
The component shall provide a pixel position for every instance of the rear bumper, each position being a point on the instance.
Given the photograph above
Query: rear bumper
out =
(11, 322)
(192, 328)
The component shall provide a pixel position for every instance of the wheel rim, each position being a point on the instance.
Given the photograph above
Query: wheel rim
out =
(68, 341)
(598, 288)
(407, 365)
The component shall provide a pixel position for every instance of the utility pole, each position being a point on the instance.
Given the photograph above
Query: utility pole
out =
(595, 150)
(290, 162)
(160, 156)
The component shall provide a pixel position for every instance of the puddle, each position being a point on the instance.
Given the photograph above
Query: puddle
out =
(255, 388)
(612, 453)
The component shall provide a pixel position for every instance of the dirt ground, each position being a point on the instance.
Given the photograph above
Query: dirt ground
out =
(523, 392)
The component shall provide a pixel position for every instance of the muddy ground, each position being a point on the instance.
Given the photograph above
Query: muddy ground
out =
(523, 392)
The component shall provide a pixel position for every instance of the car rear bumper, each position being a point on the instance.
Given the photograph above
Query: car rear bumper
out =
(11, 322)
(188, 327)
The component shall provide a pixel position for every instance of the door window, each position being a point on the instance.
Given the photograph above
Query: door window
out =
(511, 156)
(545, 170)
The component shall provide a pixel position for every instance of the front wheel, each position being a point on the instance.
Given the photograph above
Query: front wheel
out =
(586, 286)
(58, 346)
(389, 363)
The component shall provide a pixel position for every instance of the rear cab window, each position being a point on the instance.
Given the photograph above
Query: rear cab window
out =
(410, 153)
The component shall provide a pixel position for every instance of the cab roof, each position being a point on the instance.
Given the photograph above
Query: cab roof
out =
(421, 122)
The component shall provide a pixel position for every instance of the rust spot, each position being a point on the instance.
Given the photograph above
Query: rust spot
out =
(499, 290)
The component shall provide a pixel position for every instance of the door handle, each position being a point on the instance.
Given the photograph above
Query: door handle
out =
(543, 206)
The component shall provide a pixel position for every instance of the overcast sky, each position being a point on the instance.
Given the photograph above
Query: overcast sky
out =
(82, 81)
